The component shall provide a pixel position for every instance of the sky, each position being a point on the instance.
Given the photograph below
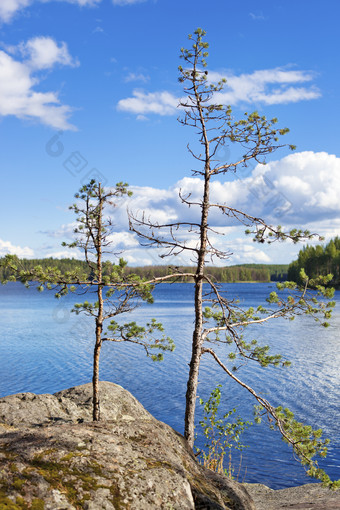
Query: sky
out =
(89, 89)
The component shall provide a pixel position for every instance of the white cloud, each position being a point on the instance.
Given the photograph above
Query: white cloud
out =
(7, 248)
(300, 190)
(122, 241)
(9, 7)
(19, 79)
(311, 183)
(44, 53)
(66, 254)
(245, 252)
(268, 86)
(161, 103)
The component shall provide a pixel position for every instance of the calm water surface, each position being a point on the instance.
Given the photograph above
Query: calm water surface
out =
(44, 348)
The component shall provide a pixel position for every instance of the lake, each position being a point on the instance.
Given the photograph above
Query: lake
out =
(44, 348)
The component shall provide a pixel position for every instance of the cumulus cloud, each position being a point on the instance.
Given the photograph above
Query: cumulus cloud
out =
(9, 7)
(311, 183)
(7, 248)
(301, 189)
(44, 53)
(19, 79)
(123, 241)
(245, 251)
(269, 86)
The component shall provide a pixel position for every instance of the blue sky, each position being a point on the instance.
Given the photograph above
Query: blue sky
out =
(89, 88)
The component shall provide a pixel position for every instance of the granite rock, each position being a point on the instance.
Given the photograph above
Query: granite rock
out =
(52, 456)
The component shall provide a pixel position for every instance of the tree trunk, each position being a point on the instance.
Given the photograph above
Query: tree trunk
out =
(191, 394)
(99, 318)
(95, 378)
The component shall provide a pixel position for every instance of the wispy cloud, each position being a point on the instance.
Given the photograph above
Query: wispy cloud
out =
(98, 30)
(127, 2)
(161, 103)
(268, 86)
(257, 17)
(136, 77)
(19, 80)
(9, 8)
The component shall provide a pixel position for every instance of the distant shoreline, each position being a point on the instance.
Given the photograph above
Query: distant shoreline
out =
(239, 273)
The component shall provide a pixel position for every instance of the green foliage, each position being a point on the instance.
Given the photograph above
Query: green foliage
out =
(306, 299)
(145, 336)
(228, 325)
(222, 434)
(306, 442)
(46, 271)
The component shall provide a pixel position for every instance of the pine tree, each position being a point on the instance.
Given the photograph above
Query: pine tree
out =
(218, 318)
(117, 293)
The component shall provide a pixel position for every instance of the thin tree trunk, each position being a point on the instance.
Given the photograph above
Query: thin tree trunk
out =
(197, 344)
(191, 394)
(99, 318)
(95, 380)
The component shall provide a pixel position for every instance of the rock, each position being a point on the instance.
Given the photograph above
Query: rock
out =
(52, 456)
(311, 496)
(72, 405)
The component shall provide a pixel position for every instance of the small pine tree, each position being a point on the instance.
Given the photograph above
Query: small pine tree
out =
(117, 293)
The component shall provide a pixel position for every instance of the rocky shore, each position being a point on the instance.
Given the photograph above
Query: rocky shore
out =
(52, 456)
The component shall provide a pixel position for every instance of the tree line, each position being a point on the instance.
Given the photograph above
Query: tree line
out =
(227, 274)
(319, 260)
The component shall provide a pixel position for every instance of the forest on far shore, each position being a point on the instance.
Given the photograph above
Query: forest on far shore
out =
(225, 274)
(315, 260)
(319, 260)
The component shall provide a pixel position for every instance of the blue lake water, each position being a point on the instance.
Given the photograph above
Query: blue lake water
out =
(44, 348)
